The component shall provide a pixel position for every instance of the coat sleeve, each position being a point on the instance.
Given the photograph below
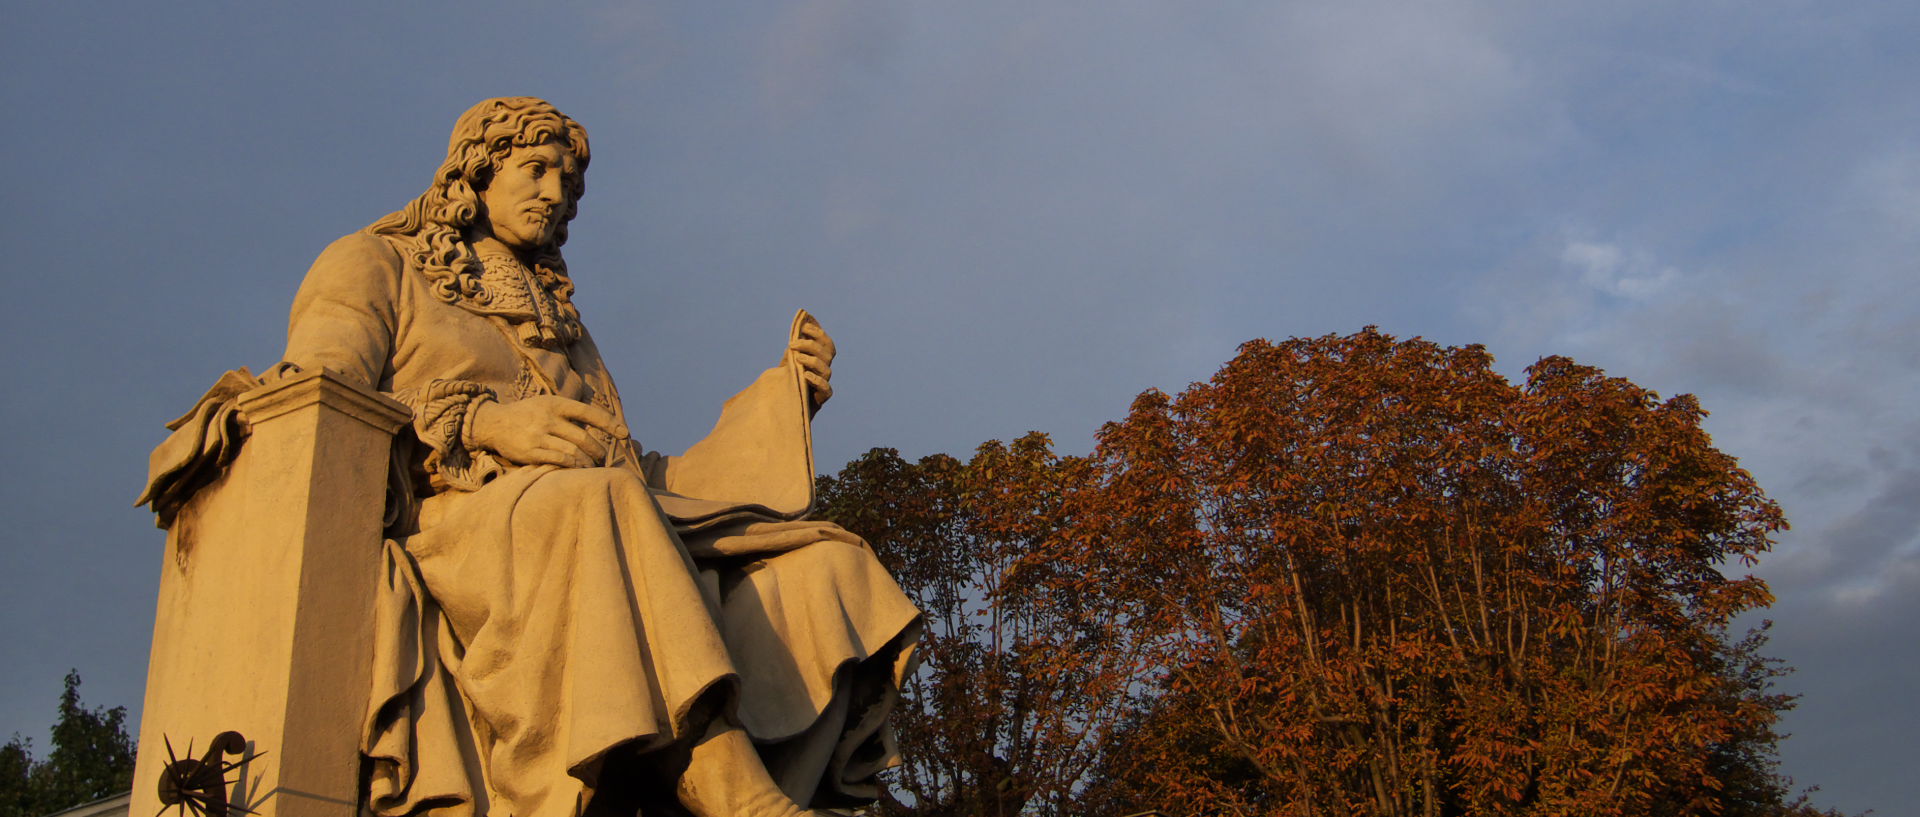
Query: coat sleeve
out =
(346, 318)
(346, 313)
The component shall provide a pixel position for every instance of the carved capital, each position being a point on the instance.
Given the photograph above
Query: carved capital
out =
(328, 388)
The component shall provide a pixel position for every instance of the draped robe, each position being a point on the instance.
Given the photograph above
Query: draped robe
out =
(536, 620)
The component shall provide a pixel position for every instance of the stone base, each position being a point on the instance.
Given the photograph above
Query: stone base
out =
(264, 622)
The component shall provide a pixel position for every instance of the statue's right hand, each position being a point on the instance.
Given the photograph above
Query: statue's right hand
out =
(544, 430)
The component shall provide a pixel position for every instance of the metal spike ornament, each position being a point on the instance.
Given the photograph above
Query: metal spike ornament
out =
(199, 786)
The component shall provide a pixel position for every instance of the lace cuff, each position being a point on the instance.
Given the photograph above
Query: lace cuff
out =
(443, 420)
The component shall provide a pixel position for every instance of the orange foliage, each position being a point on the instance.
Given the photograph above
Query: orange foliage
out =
(1348, 575)
(1015, 694)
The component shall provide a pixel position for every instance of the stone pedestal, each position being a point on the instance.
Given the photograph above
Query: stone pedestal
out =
(265, 620)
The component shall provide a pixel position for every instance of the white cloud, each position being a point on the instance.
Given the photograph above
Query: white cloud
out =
(1616, 271)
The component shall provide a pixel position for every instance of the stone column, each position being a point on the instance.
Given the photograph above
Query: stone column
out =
(265, 617)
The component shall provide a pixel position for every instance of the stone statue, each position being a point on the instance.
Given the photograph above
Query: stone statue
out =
(570, 624)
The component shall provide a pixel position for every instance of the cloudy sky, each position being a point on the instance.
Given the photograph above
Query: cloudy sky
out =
(1012, 216)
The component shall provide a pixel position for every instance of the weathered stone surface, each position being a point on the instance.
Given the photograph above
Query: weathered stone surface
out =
(549, 620)
(268, 577)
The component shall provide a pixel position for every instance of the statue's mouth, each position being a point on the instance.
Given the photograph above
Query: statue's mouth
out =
(541, 222)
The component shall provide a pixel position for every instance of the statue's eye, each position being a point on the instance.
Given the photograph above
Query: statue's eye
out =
(536, 169)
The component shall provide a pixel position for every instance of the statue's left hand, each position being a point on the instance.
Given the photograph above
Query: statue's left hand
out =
(813, 350)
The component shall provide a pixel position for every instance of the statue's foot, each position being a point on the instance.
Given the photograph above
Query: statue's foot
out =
(725, 778)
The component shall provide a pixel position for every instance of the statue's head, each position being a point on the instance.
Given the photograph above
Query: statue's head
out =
(517, 142)
(507, 138)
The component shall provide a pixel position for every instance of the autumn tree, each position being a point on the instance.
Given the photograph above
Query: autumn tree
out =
(92, 757)
(1347, 575)
(1014, 694)
(1374, 577)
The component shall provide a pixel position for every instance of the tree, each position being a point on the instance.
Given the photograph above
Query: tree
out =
(92, 758)
(1013, 696)
(1377, 578)
(1348, 575)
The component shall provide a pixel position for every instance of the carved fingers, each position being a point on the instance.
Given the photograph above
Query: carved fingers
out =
(567, 444)
(586, 414)
(813, 349)
(546, 430)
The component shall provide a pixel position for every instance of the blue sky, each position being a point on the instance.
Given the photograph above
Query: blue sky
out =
(1011, 216)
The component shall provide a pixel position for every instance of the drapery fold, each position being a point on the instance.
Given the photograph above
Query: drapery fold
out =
(534, 620)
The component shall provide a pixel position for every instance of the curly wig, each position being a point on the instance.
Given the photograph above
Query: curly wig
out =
(434, 226)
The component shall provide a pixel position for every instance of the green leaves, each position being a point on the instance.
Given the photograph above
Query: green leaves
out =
(92, 758)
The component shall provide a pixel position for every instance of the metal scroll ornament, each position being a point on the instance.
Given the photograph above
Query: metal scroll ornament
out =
(198, 787)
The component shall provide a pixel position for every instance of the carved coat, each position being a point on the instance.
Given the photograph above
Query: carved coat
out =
(535, 618)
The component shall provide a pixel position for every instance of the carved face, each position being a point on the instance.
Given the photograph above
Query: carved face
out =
(527, 197)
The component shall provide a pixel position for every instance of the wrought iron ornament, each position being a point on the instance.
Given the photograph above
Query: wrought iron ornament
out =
(199, 786)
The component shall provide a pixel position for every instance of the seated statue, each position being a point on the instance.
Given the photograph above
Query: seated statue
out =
(573, 625)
